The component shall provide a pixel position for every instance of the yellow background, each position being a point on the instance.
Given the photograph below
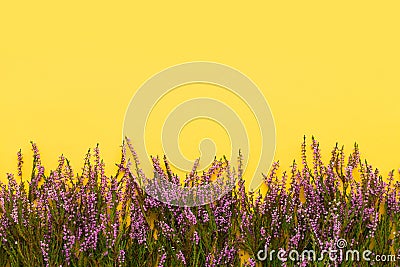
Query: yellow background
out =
(69, 69)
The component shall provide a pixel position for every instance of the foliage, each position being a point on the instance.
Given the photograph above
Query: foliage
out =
(91, 219)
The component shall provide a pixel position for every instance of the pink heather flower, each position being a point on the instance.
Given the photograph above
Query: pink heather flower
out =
(303, 263)
(20, 163)
(167, 230)
(45, 252)
(190, 216)
(121, 257)
(162, 260)
(263, 232)
(181, 257)
(251, 262)
(138, 227)
(196, 237)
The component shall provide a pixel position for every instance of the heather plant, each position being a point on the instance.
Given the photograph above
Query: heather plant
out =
(63, 218)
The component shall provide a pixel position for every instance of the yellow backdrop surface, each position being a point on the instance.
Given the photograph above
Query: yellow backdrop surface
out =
(69, 69)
